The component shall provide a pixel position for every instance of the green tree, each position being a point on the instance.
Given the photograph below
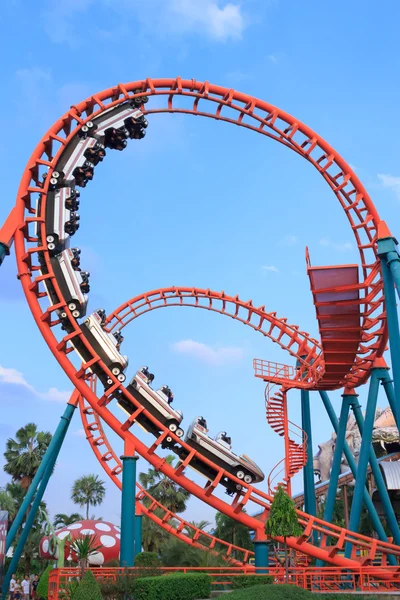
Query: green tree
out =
(88, 491)
(63, 520)
(163, 489)
(175, 553)
(43, 585)
(84, 547)
(197, 524)
(153, 536)
(232, 531)
(24, 454)
(88, 588)
(282, 521)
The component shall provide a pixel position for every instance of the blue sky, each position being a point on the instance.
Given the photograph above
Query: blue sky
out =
(197, 202)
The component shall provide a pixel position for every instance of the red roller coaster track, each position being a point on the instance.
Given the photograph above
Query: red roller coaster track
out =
(267, 120)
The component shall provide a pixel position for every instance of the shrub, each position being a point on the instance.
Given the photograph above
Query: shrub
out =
(177, 586)
(147, 564)
(43, 585)
(273, 592)
(244, 581)
(88, 588)
(68, 591)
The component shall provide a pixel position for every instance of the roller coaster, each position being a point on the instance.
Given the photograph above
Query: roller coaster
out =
(355, 309)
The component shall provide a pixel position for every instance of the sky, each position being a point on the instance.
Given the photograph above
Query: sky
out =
(197, 202)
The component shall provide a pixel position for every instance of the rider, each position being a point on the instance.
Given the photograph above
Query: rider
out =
(147, 374)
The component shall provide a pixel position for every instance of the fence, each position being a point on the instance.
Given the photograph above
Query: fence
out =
(315, 579)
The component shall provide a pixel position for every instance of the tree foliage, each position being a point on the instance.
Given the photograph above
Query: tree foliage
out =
(163, 489)
(88, 490)
(63, 520)
(24, 454)
(175, 553)
(88, 588)
(43, 585)
(232, 531)
(282, 520)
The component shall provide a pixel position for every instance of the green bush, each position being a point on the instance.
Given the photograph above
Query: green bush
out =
(88, 588)
(177, 586)
(273, 592)
(244, 581)
(147, 559)
(43, 585)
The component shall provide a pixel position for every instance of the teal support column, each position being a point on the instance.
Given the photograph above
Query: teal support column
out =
(353, 467)
(388, 252)
(310, 503)
(127, 552)
(394, 332)
(261, 556)
(379, 481)
(4, 251)
(362, 466)
(28, 524)
(387, 383)
(138, 533)
(49, 457)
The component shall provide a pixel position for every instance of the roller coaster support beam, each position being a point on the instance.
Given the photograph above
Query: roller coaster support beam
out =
(138, 531)
(362, 466)
(261, 555)
(377, 473)
(387, 383)
(353, 468)
(50, 457)
(390, 265)
(310, 503)
(7, 234)
(51, 461)
(337, 459)
(127, 553)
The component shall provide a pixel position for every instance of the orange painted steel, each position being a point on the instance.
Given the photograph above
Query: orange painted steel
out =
(170, 522)
(314, 579)
(266, 120)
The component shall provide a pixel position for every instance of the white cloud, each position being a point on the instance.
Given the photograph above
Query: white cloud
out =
(272, 58)
(15, 377)
(220, 23)
(218, 19)
(271, 268)
(287, 240)
(340, 247)
(207, 354)
(390, 182)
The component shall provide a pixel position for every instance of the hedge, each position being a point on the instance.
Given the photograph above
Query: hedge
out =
(147, 564)
(43, 585)
(244, 581)
(88, 588)
(177, 586)
(273, 592)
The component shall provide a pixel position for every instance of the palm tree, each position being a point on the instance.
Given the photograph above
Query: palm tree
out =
(24, 454)
(88, 491)
(63, 520)
(85, 547)
(232, 531)
(196, 525)
(163, 489)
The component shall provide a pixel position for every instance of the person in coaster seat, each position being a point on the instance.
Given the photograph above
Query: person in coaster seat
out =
(202, 422)
(168, 392)
(226, 439)
(148, 375)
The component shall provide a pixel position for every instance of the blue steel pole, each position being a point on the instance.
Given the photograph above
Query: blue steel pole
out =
(138, 532)
(50, 456)
(310, 503)
(29, 522)
(353, 468)
(261, 556)
(356, 506)
(127, 552)
(394, 332)
(4, 251)
(389, 254)
(387, 383)
(377, 473)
